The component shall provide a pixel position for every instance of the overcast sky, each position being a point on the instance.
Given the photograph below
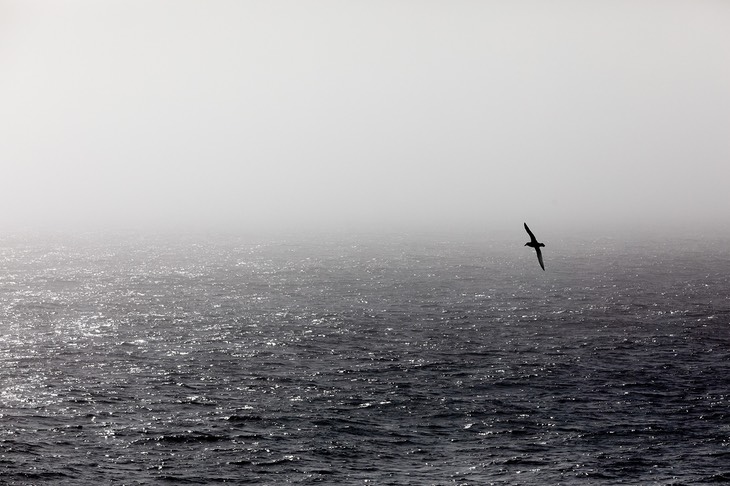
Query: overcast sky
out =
(361, 114)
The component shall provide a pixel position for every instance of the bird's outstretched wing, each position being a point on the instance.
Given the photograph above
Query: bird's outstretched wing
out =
(532, 237)
(539, 257)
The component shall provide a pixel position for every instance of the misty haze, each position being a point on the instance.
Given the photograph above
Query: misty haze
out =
(284, 115)
(394, 242)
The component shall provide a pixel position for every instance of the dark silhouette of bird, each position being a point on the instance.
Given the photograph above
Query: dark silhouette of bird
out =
(533, 243)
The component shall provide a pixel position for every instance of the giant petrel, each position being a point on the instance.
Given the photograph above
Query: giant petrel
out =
(534, 244)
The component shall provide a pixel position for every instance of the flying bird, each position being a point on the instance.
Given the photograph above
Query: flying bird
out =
(533, 243)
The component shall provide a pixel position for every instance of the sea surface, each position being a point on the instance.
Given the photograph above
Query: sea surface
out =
(359, 360)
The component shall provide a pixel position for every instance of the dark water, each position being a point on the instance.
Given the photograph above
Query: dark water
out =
(199, 361)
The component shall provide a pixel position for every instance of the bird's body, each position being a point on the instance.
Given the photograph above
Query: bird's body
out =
(533, 243)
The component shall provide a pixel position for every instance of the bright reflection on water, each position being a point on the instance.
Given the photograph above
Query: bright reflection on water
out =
(401, 362)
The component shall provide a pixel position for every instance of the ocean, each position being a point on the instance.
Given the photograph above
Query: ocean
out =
(359, 360)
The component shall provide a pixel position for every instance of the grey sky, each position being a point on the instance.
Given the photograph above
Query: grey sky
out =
(355, 114)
